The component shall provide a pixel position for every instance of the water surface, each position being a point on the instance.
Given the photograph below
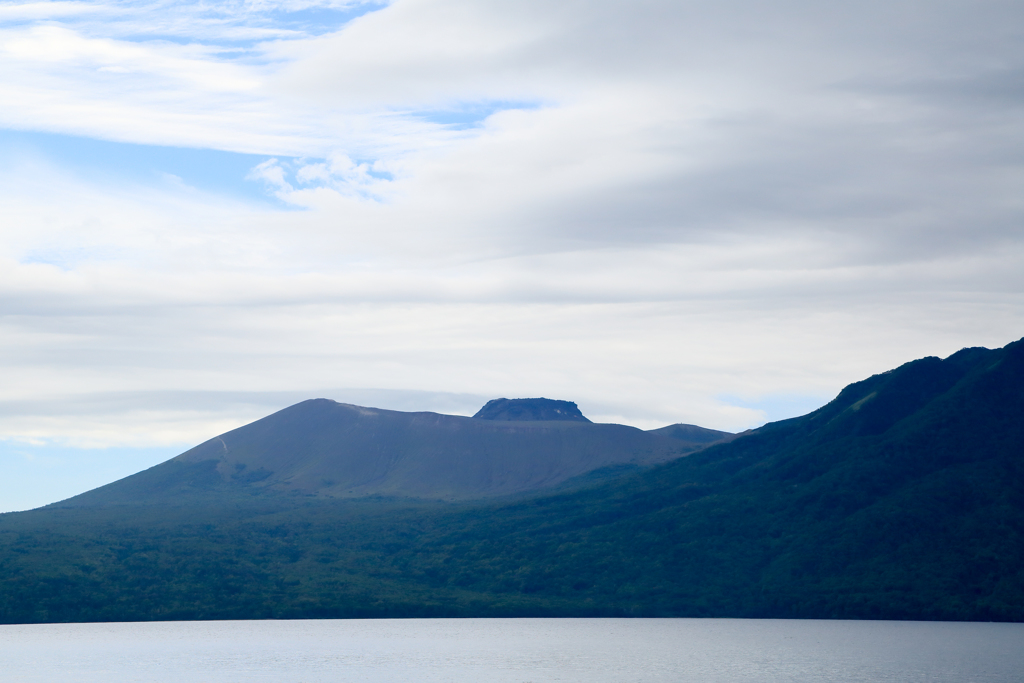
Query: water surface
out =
(514, 651)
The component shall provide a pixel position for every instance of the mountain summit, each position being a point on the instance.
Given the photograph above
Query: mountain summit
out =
(530, 409)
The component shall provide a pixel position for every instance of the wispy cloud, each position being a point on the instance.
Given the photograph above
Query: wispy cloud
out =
(668, 211)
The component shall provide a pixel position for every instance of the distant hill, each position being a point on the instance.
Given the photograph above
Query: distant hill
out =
(903, 498)
(323, 448)
(692, 434)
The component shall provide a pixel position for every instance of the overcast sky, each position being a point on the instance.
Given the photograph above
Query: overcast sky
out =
(716, 213)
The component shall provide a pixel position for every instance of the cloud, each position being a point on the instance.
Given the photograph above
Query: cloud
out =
(299, 182)
(666, 211)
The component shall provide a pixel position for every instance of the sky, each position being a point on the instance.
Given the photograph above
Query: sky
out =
(666, 211)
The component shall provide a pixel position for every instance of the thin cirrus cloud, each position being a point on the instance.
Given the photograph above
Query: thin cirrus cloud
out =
(666, 211)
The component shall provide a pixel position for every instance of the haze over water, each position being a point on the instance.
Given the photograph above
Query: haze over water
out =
(514, 651)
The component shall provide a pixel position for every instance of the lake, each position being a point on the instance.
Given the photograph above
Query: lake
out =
(513, 651)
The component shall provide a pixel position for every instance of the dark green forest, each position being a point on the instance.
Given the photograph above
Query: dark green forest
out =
(903, 498)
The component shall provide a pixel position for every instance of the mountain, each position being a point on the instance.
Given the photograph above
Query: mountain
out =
(328, 449)
(903, 498)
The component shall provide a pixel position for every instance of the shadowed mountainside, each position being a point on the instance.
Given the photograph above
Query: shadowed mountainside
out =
(320, 447)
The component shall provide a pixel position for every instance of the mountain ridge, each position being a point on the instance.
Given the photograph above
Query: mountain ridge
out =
(324, 448)
(902, 498)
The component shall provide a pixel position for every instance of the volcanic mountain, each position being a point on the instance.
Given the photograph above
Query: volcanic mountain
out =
(323, 448)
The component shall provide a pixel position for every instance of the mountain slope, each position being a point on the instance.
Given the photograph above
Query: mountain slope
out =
(320, 447)
(903, 498)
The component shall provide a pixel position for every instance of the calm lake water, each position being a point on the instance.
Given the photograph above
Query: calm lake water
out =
(513, 650)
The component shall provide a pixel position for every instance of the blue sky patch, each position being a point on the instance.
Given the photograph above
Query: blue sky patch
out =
(319, 20)
(470, 114)
(145, 20)
(778, 406)
(40, 474)
(209, 171)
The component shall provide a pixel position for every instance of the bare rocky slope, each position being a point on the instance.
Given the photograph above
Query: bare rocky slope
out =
(328, 449)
